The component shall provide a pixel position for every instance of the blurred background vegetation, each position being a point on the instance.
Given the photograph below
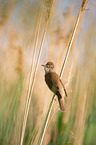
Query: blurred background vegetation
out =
(18, 21)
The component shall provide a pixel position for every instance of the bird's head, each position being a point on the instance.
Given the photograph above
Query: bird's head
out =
(49, 66)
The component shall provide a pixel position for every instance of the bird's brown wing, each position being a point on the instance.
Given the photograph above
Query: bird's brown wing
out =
(55, 85)
(54, 82)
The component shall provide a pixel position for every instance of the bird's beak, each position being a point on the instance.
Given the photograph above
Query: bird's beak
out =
(43, 65)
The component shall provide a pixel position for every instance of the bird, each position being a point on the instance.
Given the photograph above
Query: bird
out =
(55, 84)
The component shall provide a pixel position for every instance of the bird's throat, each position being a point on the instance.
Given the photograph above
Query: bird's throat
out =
(48, 70)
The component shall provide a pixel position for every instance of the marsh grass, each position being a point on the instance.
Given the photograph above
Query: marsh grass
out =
(32, 79)
(77, 125)
(10, 101)
(40, 141)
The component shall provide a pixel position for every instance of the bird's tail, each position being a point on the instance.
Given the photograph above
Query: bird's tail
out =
(61, 102)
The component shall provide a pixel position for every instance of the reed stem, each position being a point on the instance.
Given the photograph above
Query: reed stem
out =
(41, 137)
(30, 78)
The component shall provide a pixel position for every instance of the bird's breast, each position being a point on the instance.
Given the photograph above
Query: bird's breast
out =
(48, 80)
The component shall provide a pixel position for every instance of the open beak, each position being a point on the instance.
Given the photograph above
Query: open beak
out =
(43, 65)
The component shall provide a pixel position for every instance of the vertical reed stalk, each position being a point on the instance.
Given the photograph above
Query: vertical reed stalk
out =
(31, 84)
(41, 137)
(30, 77)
